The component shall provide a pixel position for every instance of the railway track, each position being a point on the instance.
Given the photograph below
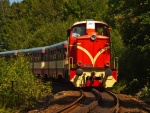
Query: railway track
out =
(95, 102)
(72, 105)
(85, 104)
(70, 100)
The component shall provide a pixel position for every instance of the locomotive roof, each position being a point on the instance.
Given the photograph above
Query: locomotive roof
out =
(33, 49)
(84, 22)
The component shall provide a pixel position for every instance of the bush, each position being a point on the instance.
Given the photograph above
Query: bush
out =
(19, 89)
(119, 87)
(2, 110)
(144, 93)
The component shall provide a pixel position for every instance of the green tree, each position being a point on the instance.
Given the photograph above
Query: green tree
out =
(82, 9)
(132, 20)
(18, 34)
(4, 13)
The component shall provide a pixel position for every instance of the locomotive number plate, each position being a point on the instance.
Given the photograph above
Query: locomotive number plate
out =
(88, 65)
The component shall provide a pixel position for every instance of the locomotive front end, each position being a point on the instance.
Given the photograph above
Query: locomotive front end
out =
(89, 55)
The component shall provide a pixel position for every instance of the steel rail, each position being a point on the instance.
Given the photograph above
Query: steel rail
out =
(71, 104)
(92, 105)
(116, 108)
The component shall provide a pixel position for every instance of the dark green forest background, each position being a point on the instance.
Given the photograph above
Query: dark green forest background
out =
(34, 23)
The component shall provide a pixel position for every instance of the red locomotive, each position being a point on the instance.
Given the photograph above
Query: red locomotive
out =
(84, 59)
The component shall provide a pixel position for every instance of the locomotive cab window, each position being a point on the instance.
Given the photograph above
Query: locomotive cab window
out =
(102, 30)
(78, 31)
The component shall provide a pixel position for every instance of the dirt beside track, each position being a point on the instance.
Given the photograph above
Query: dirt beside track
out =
(58, 101)
(130, 104)
(60, 96)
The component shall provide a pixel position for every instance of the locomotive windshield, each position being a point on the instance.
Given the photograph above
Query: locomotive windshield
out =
(102, 30)
(78, 31)
(83, 29)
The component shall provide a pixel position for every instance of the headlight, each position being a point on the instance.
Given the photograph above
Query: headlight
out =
(108, 72)
(93, 37)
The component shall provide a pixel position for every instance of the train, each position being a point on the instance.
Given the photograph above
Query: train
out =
(84, 58)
